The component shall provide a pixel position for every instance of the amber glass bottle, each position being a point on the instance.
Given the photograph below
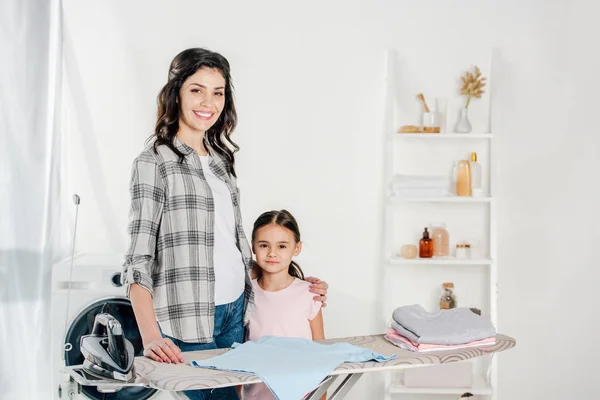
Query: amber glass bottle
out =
(426, 245)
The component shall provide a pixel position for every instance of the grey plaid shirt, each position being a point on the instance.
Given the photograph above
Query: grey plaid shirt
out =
(171, 228)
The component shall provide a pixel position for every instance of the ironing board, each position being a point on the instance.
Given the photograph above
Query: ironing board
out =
(179, 377)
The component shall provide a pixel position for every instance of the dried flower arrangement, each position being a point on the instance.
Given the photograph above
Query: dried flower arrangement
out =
(472, 85)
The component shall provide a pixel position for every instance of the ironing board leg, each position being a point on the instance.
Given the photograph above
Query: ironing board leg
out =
(318, 392)
(346, 385)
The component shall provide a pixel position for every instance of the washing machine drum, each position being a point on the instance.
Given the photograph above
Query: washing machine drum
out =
(121, 309)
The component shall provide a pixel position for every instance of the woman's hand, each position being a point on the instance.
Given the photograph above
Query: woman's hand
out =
(318, 287)
(163, 350)
(155, 346)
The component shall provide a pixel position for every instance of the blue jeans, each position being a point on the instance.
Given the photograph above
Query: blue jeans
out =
(229, 328)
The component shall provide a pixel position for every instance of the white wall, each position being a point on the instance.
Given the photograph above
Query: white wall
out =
(310, 82)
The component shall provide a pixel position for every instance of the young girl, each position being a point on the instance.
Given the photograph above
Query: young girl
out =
(283, 305)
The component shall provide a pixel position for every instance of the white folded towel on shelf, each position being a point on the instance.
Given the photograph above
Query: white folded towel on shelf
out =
(411, 186)
(418, 181)
(419, 186)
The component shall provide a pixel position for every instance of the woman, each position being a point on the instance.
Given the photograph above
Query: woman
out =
(189, 264)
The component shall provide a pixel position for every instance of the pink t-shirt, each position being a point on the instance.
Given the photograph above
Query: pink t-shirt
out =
(285, 313)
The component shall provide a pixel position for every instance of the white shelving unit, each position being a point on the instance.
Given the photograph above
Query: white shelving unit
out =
(415, 280)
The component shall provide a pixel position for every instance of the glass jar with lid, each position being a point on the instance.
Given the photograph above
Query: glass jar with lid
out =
(441, 240)
(463, 251)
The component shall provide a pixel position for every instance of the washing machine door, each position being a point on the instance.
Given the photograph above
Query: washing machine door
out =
(82, 324)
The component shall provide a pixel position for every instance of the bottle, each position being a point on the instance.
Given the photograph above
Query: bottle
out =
(463, 178)
(476, 184)
(425, 245)
(448, 298)
(441, 240)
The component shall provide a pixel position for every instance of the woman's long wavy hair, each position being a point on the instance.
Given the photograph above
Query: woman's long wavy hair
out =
(184, 65)
(286, 220)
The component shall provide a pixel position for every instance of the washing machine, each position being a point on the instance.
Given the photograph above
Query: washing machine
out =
(95, 281)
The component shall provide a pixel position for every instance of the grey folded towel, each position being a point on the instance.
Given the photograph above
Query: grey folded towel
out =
(455, 326)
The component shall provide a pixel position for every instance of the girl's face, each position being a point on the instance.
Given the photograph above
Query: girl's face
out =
(274, 247)
(201, 100)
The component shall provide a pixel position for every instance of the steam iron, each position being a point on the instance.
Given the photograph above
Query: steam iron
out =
(107, 354)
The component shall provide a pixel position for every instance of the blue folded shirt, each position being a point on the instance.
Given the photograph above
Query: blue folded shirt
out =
(290, 367)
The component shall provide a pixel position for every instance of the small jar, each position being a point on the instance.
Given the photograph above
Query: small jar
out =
(448, 297)
(430, 122)
(463, 251)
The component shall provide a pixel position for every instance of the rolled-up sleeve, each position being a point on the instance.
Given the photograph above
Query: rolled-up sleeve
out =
(147, 203)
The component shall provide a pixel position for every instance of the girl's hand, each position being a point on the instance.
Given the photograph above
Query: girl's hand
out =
(163, 350)
(318, 287)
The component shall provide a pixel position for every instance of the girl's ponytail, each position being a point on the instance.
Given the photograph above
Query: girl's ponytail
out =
(295, 271)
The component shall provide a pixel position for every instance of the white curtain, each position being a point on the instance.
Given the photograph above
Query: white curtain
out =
(32, 221)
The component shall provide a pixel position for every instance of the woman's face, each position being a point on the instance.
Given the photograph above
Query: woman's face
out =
(201, 100)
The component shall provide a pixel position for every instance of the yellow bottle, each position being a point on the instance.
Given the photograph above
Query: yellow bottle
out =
(463, 178)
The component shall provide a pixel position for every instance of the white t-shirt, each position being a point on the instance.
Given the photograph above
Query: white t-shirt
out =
(229, 267)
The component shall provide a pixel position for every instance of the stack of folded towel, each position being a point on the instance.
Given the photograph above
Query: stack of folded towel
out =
(415, 329)
(419, 186)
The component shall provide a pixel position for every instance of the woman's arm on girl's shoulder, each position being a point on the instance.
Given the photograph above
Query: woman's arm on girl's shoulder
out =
(316, 326)
(318, 287)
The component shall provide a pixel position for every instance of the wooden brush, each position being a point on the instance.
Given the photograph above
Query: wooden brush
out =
(422, 98)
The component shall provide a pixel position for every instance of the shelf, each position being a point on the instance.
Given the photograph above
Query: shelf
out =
(430, 155)
(479, 388)
(439, 261)
(434, 136)
(441, 199)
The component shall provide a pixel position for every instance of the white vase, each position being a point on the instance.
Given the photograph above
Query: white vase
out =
(463, 125)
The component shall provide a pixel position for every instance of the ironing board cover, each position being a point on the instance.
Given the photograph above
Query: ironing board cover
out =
(177, 377)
